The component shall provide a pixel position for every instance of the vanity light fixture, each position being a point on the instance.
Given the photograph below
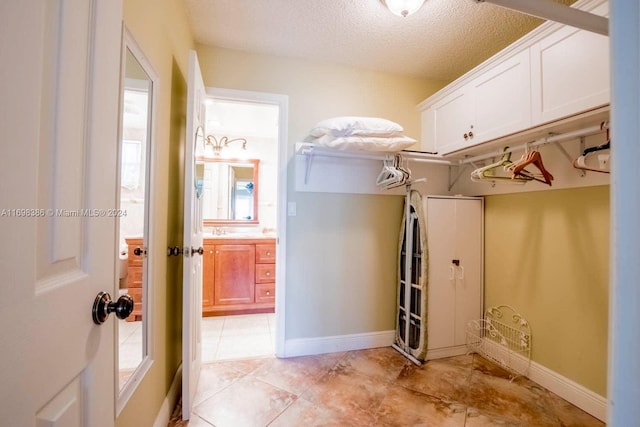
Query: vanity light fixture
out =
(219, 144)
(403, 7)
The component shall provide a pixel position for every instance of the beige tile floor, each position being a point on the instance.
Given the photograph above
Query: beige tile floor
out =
(376, 387)
(234, 337)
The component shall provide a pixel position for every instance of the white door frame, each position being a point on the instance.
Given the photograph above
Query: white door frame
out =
(282, 101)
(624, 294)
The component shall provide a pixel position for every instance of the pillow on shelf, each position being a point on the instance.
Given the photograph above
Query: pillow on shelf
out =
(356, 126)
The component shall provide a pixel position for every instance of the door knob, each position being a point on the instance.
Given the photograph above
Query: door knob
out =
(140, 251)
(103, 306)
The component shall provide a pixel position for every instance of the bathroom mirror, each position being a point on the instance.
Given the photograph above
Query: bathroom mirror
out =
(138, 84)
(230, 191)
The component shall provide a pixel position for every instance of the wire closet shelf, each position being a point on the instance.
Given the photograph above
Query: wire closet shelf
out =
(504, 337)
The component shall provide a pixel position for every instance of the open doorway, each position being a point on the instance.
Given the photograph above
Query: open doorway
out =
(241, 158)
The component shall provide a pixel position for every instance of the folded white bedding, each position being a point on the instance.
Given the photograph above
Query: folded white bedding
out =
(365, 143)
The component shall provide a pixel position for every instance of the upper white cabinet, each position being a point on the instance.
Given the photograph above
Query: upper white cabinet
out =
(502, 99)
(447, 122)
(554, 72)
(493, 104)
(570, 72)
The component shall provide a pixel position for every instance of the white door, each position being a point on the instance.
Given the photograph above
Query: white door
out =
(59, 119)
(192, 268)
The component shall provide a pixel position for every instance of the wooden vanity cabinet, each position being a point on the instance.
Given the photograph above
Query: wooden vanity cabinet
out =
(134, 278)
(238, 276)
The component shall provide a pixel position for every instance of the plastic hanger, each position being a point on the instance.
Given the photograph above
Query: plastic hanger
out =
(531, 158)
(406, 173)
(581, 161)
(489, 172)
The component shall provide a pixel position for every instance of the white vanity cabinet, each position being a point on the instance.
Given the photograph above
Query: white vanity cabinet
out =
(455, 286)
(570, 72)
(552, 73)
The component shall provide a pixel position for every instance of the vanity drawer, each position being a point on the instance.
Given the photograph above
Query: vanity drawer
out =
(265, 254)
(265, 273)
(265, 292)
(134, 277)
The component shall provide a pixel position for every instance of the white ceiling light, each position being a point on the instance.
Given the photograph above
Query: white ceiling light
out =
(403, 7)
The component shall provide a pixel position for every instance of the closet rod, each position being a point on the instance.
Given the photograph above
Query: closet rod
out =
(542, 141)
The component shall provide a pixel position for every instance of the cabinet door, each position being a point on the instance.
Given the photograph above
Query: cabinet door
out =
(447, 121)
(234, 274)
(468, 275)
(441, 286)
(208, 276)
(502, 99)
(570, 72)
(454, 236)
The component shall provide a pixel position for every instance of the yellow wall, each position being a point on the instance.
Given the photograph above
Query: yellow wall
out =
(341, 248)
(547, 255)
(161, 31)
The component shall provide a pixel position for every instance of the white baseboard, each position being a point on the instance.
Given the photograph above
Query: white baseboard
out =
(569, 390)
(336, 343)
(162, 419)
(439, 353)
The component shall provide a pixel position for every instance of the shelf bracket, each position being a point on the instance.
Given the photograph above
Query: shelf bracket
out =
(453, 182)
(308, 161)
(566, 154)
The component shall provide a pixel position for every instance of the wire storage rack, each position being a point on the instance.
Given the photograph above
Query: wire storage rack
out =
(504, 337)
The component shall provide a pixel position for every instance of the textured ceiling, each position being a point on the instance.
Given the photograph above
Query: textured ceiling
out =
(441, 41)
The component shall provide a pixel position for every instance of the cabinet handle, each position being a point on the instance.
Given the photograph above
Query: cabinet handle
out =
(268, 253)
(470, 134)
(268, 292)
(452, 272)
(268, 273)
(217, 252)
(461, 275)
(465, 136)
(210, 252)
